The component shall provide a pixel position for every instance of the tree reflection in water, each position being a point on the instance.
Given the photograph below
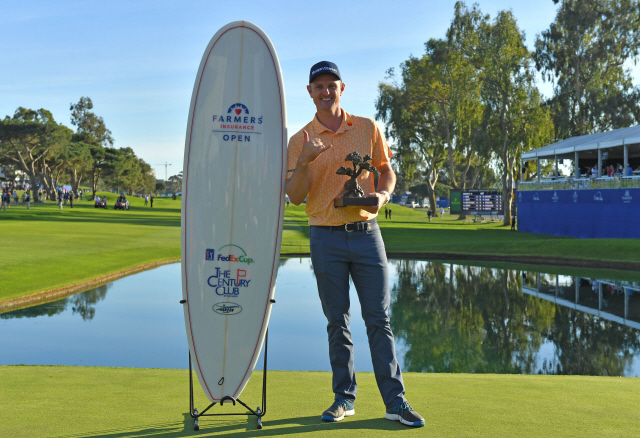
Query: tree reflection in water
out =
(455, 318)
(82, 304)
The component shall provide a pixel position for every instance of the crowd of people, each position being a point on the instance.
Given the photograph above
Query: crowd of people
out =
(612, 170)
(10, 191)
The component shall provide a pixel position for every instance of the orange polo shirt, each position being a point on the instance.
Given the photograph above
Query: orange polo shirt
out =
(356, 134)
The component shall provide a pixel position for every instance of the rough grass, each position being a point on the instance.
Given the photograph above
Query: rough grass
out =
(44, 401)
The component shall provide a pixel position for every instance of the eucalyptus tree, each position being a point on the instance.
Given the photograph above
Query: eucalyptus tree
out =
(413, 124)
(584, 52)
(96, 136)
(435, 114)
(514, 118)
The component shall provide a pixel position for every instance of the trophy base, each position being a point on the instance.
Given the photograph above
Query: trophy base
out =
(346, 202)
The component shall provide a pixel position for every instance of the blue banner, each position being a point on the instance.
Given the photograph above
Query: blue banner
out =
(587, 214)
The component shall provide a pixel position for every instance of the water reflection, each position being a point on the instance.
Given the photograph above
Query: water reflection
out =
(455, 318)
(446, 318)
(83, 304)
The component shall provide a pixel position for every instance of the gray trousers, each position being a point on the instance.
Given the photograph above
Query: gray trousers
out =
(335, 254)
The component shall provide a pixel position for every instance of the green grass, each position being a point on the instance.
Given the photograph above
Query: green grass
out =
(45, 248)
(409, 232)
(39, 401)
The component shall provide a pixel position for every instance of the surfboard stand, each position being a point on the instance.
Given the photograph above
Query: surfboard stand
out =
(260, 410)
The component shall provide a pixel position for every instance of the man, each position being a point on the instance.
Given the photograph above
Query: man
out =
(346, 241)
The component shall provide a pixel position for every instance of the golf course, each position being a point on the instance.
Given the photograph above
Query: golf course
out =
(49, 249)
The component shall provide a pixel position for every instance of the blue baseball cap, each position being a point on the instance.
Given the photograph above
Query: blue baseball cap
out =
(323, 68)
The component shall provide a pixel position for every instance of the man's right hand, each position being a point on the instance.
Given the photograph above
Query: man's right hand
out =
(311, 149)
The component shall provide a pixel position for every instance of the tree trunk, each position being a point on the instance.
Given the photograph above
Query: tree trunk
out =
(506, 173)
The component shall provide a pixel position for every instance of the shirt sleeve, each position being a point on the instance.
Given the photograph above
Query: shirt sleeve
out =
(293, 153)
(381, 151)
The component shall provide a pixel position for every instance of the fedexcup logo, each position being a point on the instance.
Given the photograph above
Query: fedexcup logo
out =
(598, 197)
(241, 256)
(555, 197)
(536, 197)
(575, 196)
(627, 197)
(227, 308)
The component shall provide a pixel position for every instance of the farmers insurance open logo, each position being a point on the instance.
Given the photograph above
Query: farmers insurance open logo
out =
(237, 124)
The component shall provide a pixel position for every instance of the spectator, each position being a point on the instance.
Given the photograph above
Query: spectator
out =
(6, 200)
(71, 198)
(389, 213)
(386, 213)
(15, 197)
(28, 199)
(151, 200)
(146, 199)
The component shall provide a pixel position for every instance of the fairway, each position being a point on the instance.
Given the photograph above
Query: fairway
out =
(47, 249)
(133, 402)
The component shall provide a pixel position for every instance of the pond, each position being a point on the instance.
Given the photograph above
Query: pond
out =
(446, 318)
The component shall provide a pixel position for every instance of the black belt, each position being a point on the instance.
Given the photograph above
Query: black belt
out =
(353, 226)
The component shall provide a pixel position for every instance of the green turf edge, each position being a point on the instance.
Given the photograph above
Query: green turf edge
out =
(58, 401)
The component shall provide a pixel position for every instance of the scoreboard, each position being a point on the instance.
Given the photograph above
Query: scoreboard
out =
(480, 202)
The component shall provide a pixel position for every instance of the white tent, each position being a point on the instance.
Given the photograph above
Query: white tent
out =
(621, 144)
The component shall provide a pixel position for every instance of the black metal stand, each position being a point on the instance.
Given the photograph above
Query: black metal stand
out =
(260, 410)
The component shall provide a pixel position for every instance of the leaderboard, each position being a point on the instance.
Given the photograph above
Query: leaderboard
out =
(476, 202)
(482, 202)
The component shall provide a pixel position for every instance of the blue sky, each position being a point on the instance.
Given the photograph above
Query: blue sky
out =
(137, 60)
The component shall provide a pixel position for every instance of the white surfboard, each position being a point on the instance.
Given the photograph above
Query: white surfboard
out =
(232, 205)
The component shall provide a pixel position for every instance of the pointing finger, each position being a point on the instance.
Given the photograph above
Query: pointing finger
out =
(306, 136)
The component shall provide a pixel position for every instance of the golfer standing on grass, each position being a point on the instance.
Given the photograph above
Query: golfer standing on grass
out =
(347, 241)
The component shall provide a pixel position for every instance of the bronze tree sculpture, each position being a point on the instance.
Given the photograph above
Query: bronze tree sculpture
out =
(351, 187)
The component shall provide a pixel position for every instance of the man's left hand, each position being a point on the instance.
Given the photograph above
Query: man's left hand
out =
(382, 199)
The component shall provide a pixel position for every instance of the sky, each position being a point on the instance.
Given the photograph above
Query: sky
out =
(137, 60)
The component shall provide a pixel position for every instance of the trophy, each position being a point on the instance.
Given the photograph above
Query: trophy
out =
(353, 194)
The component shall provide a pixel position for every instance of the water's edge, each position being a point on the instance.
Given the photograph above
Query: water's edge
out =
(56, 294)
(62, 292)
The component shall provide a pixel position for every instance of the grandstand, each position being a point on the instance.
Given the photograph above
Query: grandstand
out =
(600, 198)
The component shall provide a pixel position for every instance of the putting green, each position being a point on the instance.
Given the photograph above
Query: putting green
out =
(44, 401)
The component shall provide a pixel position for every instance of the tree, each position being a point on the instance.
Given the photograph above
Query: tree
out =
(160, 187)
(435, 114)
(27, 139)
(96, 136)
(175, 183)
(583, 52)
(413, 123)
(88, 122)
(514, 119)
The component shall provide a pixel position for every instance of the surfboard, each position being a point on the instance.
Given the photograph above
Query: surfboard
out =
(232, 205)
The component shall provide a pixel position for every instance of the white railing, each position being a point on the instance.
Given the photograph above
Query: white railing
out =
(604, 182)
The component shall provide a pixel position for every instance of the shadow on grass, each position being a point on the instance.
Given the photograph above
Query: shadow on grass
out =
(239, 426)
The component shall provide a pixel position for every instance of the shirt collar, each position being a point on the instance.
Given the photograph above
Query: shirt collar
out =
(344, 126)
